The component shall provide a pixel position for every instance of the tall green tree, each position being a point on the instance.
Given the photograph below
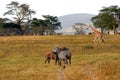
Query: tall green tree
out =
(48, 25)
(39, 26)
(52, 23)
(103, 21)
(2, 22)
(114, 11)
(20, 12)
(8, 28)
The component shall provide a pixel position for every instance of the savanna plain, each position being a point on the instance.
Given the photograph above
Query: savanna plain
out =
(22, 58)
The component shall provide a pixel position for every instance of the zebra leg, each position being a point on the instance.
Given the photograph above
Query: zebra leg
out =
(56, 61)
(46, 60)
(69, 60)
(49, 60)
(59, 61)
(65, 63)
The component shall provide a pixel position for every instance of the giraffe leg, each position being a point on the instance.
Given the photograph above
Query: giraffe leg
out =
(95, 40)
(99, 39)
(102, 40)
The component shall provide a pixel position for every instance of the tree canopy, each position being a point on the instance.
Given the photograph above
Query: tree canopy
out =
(48, 25)
(19, 11)
(108, 18)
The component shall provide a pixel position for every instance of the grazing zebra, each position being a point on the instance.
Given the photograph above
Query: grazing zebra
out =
(63, 54)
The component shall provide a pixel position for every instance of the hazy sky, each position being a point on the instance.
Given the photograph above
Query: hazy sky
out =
(62, 7)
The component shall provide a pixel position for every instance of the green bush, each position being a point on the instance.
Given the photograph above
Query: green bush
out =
(88, 47)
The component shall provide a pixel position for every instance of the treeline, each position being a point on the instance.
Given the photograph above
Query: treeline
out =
(24, 24)
(31, 27)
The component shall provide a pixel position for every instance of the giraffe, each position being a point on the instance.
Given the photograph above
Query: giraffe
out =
(98, 36)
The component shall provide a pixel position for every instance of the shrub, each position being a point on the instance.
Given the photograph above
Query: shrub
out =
(88, 47)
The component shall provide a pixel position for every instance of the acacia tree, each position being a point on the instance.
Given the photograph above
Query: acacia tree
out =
(48, 25)
(21, 12)
(113, 11)
(39, 26)
(80, 28)
(52, 23)
(8, 28)
(103, 21)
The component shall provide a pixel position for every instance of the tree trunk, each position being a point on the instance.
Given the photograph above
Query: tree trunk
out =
(102, 29)
(108, 32)
(114, 29)
(19, 24)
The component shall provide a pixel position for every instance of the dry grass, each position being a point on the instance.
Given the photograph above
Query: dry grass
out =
(22, 58)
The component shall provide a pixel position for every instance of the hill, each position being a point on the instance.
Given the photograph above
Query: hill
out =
(68, 20)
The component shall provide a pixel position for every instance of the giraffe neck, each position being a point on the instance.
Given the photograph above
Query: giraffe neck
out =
(94, 30)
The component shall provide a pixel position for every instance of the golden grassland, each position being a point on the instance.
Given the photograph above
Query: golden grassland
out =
(22, 58)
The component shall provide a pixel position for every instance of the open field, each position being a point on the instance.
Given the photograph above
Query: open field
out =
(22, 58)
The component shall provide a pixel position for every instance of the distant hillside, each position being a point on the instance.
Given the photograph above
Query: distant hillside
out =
(68, 20)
